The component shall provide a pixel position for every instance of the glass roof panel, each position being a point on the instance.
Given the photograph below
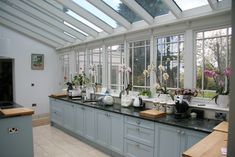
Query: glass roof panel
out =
(72, 26)
(154, 7)
(79, 18)
(99, 14)
(189, 4)
(123, 10)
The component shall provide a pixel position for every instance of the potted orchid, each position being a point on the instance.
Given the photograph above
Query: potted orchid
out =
(161, 85)
(219, 78)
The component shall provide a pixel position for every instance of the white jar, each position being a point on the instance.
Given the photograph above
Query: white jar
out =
(162, 106)
(169, 108)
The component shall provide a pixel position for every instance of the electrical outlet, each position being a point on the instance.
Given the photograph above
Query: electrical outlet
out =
(220, 115)
(34, 105)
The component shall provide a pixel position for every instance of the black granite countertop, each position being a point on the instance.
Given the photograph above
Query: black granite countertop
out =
(204, 125)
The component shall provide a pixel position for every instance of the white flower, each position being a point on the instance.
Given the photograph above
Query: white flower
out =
(157, 86)
(146, 73)
(165, 76)
(161, 68)
(128, 69)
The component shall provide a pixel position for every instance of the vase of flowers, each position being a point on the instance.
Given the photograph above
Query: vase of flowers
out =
(187, 93)
(222, 91)
(161, 84)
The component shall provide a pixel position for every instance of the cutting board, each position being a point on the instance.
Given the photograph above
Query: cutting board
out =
(17, 111)
(152, 113)
(59, 95)
(223, 127)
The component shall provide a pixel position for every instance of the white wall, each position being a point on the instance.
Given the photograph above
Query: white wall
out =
(20, 47)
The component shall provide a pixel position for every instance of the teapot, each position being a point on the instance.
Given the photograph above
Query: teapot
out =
(138, 102)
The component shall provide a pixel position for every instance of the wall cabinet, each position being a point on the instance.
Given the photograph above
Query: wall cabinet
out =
(109, 130)
(85, 122)
(16, 137)
(171, 141)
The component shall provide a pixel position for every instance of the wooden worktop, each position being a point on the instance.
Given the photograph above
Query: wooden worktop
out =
(211, 145)
(223, 127)
(22, 111)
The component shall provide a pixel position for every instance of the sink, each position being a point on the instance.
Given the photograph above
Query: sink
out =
(5, 105)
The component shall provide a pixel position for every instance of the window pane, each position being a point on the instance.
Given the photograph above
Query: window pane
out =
(170, 55)
(213, 50)
(80, 62)
(64, 59)
(189, 4)
(95, 59)
(115, 59)
(139, 60)
(123, 10)
(154, 7)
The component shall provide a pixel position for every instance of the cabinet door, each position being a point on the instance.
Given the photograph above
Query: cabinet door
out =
(68, 116)
(189, 138)
(102, 128)
(16, 138)
(79, 120)
(117, 129)
(56, 111)
(167, 141)
(89, 123)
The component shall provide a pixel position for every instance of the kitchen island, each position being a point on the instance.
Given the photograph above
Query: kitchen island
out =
(122, 131)
(16, 138)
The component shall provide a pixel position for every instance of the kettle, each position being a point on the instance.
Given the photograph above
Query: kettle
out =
(108, 100)
(138, 102)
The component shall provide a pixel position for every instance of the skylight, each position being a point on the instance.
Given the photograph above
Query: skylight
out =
(99, 14)
(189, 4)
(68, 24)
(76, 16)
(154, 7)
(123, 10)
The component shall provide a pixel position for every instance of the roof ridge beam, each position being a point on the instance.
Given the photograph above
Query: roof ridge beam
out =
(48, 19)
(66, 17)
(109, 11)
(31, 27)
(133, 5)
(35, 22)
(174, 8)
(86, 15)
(29, 33)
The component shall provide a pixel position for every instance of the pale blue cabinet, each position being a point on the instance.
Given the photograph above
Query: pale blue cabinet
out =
(109, 130)
(16, 138)
(139, 137)
(56, 111)
(171, 141)
(68, 115)
(85, 122)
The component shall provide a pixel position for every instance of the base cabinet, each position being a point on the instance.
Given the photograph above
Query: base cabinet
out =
(56, 110)
(16, 138)
(109, 130)
(68, 109)
(171, 141)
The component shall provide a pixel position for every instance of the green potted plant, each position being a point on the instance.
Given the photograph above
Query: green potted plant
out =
(145, 93)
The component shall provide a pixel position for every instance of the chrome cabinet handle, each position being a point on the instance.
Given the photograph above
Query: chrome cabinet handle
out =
(178, 131)
(138, 122)
(182, 132)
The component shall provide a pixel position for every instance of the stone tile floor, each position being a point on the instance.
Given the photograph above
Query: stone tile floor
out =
(51, 142)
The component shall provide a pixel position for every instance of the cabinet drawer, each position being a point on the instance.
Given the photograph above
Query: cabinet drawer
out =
(139, 134)
(140, 122)
(135, 149)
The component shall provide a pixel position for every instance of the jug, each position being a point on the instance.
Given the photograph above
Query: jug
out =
(138, 102)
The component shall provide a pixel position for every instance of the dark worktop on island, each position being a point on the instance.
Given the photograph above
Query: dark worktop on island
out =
(204, 125)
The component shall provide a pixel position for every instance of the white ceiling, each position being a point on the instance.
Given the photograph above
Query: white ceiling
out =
(61, 23)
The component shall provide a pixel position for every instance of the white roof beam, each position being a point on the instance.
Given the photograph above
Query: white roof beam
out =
(48, 19)
(29, 33)
(109, 11)
(35, 22)
(86, 15)
(31, 27)
(133, 5)
(173, 7)
(66, 17)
